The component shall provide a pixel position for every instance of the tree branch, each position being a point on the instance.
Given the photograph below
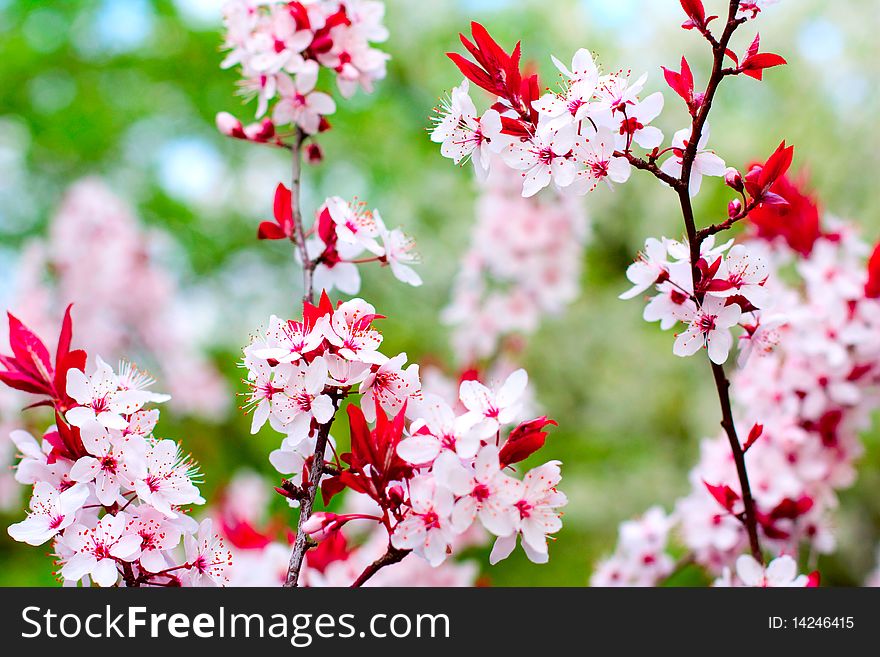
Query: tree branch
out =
(650, 167)
(392, 556)
(299, 233)
(316, 472)
(722, 384)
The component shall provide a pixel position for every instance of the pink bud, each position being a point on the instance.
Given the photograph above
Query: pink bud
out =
(314, 154)
(260, 132)
(320, 525)
(733, 179)
(229, 125)
(396, 495)
(734, 207)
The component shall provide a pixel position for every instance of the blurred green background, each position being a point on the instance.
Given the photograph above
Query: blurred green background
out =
(128, 89)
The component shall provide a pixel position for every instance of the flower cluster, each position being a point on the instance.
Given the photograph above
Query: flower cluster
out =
(641, 558)
(429, 471)
(523, 264)
(730, 291)
(343, 231)
(282, 46)
(106, 491)
(807, 385)
(583, 134)
(261, 555)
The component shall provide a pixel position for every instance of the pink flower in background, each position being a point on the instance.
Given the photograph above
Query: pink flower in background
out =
(126, 305)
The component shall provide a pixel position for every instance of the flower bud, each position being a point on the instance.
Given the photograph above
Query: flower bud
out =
(734, 208)
(320, 525)
(229, 125)
(314, 154)
(733, 179)
(396, 495)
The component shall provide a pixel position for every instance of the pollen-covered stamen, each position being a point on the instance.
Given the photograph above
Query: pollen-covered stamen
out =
(431, 520)
(706, 323)
(599, 169)
(109, 464)
(481, 492)
(302, 400)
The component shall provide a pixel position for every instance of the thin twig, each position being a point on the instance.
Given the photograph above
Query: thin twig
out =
(392, 556)
(299, 233)
(307, 501)
(316, 472)
(722, 384)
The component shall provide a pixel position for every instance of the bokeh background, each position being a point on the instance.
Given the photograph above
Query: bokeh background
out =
(128, 90)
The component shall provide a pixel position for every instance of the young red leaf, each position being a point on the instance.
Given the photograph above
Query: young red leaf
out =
(695, 11)
(682, 83)
(754, 66)
(524, 440)
(872, 286)
(754, 434)
(724, 495)
(270, 231)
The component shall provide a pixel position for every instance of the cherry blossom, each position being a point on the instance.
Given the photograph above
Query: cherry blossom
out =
(652, 268)
(96, 550)
(781, 572)
(490, 409)
(115, 463)
(101, 398)
(426, 528)
(303, 400)
(390, 385)
(168, 482)
(706, 163)
(545, 157)
(486, 492)
(207, 557)
(708, 326)
(51, 512)
(601, 164)
(538, 518)
(300, 104)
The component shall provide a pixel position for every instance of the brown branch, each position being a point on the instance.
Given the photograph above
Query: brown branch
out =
(299, 233)
(392, 556)
(703, 233)
(650, 167)
(722, 384)
(302, 543)
(307, 499)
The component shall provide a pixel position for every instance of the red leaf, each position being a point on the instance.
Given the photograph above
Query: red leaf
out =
(524, 440)
(23, 382)
(754, 65)
(65, 336)
(30, 353)
(270, 231)
(872, 286)
(724, 495)
(682, 83)
(813, 580)
(282, 208)
(74, 360)
(695, 11)
(797, 221)
(754, 47)
(754, 434)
